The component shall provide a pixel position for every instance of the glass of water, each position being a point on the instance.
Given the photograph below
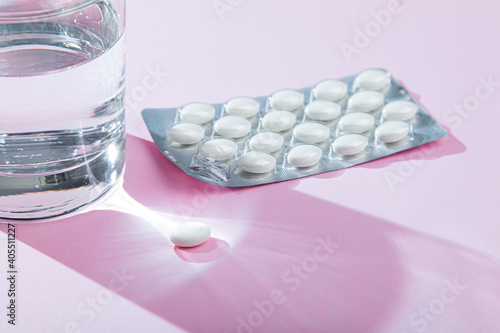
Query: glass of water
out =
(62, 75)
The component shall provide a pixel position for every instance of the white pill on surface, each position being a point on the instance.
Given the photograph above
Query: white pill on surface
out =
(267, 142)
(232, 126)
(373, 79)
(245, 107)
(187, 133)
(330, 90)
(357, 122)
(350, 144)
(311, 132)
(278, 121)
(287, 99)
(400, 110)
(190, 234)
(392, 131)
(257, 162)
(366, 101)
(219, 149)
(198, 113)
(304, 156)
(323, 110)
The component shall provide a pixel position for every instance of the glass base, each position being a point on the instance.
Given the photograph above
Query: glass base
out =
(42, 197)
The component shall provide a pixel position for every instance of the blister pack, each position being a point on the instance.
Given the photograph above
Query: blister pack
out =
(292, 133)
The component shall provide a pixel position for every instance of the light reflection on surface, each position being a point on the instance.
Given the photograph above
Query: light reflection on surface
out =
(210, 251)
(122, 202)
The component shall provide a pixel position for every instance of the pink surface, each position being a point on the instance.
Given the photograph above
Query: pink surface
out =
(369, 271)
(415, 235)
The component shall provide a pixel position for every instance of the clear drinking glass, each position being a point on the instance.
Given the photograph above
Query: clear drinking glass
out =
(62, 75)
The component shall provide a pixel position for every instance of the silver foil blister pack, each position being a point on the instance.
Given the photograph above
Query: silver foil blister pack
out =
(292, 133)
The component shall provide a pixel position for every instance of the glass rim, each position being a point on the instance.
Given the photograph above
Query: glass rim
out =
(24, 15)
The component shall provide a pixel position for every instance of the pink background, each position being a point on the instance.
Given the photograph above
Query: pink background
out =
(399, 245)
